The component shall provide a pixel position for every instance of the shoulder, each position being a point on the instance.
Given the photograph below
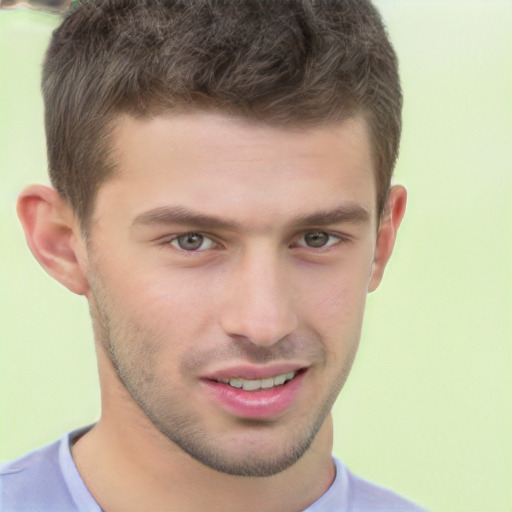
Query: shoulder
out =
(26, 482)
(366, 496)
(37, 482)
(351, 493)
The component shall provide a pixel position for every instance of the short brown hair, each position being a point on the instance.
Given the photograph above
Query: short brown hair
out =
(277, 61)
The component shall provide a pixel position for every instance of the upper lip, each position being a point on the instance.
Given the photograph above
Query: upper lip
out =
(254, 372)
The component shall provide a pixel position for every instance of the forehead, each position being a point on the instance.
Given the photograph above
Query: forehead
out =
(229, 134)
(228, 165)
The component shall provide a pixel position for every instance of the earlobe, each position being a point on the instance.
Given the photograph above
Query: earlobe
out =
(389, 224)
(52, 232)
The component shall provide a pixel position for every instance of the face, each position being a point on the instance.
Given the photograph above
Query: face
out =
(229, 264)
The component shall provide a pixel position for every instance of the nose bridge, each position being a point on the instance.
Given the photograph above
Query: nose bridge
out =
(259, 303)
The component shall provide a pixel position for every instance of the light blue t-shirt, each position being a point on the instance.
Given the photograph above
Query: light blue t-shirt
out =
(47, 480)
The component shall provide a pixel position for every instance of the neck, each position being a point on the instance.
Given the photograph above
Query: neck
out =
(129, 465)
(131, 469)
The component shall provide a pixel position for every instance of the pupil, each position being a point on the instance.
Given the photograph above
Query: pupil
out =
(190, 242)
(316, 239)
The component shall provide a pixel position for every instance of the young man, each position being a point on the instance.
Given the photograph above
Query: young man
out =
(221, 173)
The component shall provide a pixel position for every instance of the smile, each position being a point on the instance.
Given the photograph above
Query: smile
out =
(255, 384)
(257, 399)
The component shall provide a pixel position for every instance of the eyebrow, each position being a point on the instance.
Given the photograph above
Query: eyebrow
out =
(168, 215)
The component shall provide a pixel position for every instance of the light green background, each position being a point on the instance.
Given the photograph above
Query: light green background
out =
(428, 408)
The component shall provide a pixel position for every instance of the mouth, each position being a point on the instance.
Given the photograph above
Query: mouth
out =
(242, 394)
(257, 384)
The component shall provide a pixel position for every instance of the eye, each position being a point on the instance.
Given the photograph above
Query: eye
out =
(317, 240)
(192, 242)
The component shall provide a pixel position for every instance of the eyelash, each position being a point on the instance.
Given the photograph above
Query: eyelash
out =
(335, 239)
(204, 237)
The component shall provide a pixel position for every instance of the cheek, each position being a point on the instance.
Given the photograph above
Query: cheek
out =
(180, 295)
(158, 311)
(161, 291)
(338, 318)
(333, 307)
(336, 297)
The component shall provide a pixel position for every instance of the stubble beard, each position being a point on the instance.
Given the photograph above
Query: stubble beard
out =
(134, 363)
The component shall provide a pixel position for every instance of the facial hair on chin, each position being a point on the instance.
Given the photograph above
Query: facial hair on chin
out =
(134, 360)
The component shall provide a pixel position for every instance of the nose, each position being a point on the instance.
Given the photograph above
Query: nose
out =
(258, 302)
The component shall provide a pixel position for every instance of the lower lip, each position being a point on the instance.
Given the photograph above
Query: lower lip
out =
(259, 404)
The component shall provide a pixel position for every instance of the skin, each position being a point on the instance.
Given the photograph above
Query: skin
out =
(259, 290)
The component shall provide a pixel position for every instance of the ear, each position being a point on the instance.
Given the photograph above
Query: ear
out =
(389, 224)
(53, 235)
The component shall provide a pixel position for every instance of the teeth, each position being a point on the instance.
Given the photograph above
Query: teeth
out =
(236, 383)
(252, 385)
(267, 383)
(279, 380)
